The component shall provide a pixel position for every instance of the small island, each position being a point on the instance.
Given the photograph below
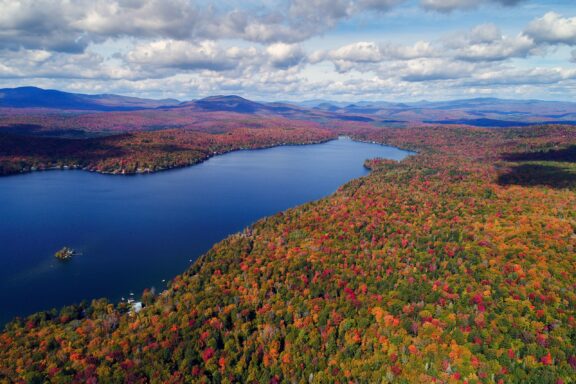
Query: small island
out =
(65, 253)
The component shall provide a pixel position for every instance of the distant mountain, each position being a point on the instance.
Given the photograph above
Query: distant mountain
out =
(481, 112)
(323, 104)
(481, 102)
(32, 97)
(237, 104)
(316, 102)
(228, 104)
(241, 105)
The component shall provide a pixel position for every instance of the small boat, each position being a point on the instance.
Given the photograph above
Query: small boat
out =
(65, 253)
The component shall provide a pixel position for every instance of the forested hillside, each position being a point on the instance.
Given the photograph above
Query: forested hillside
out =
(456, 265)
(126, 144)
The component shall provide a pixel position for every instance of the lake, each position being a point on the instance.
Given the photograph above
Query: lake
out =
(140, 231)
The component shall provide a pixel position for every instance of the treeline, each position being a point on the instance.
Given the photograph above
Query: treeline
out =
(146, 151)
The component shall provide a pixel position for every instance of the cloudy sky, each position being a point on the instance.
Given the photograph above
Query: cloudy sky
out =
(293, 49)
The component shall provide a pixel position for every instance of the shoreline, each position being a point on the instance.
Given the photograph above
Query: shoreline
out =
(342, 137)
(147, 171)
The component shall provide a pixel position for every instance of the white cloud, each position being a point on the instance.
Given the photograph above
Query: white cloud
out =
(487, 43)
(360, 52)
(484, 43)
(38, 25)
(513, 76)
(434, 69)
(28, 64)
(320, 10)
(553, 28)
(70, 26)
(163, 58)
(167, 18)
(484, 33)
(446, 6)
(405, 52)
(378, 5)
(260, 47)
(187, 56)
(285, 55)
(364, 54)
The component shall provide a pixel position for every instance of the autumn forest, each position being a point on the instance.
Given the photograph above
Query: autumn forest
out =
(455, 265)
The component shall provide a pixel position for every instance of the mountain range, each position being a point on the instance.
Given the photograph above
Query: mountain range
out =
(484, 112)
(33, 97)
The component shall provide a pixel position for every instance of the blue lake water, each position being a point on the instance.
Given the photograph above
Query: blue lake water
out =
(134, 231)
